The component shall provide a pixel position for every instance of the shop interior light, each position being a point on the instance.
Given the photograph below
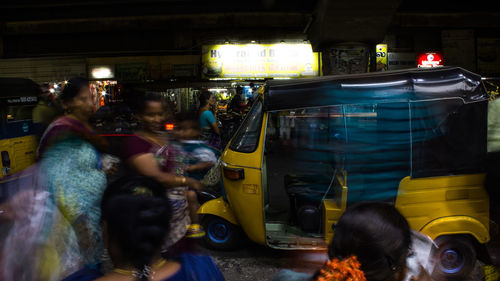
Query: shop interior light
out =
(56, 86)
(52, 90)
(214, 90)
(102, 73)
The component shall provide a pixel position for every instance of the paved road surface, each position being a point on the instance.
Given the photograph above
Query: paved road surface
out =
(258, 263)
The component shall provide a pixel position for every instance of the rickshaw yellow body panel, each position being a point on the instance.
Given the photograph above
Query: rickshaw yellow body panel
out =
(22, 151)
(334, 208)
(245, 196)
(446, 205)
(218, 207)
(457, 225)
(252, 160)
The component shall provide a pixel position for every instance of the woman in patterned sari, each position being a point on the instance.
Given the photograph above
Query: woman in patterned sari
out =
(152, 154)
(58, 227)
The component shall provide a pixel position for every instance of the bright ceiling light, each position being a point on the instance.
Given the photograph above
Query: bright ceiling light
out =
(102, 73)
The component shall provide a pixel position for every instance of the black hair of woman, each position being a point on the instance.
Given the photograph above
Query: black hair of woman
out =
(73, 88)
(204, 98)
(378, 235)
(188, 115)
(136, 216)
(144, 98)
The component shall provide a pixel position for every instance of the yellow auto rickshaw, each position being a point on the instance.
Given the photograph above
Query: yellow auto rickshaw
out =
(309, 148)
(18, 144)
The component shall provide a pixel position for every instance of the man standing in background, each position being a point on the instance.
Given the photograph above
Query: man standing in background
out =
(45, 111)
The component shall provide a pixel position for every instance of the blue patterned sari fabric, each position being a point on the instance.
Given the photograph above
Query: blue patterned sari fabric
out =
(56, 210)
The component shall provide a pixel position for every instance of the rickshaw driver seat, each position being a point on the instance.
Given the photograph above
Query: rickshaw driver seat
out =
(305, 193)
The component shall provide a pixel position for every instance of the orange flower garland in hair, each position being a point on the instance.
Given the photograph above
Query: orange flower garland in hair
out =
(342, 270)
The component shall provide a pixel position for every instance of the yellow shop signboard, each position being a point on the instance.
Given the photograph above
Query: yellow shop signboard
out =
(258, 61)
(381, 57)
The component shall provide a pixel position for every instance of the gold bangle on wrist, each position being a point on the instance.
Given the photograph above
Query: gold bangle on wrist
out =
(183, 181)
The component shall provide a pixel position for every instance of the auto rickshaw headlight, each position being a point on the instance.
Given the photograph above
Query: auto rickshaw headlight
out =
(233, 174)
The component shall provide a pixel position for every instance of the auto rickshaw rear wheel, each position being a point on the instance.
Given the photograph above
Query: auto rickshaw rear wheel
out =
(455, 257)
(221, 234)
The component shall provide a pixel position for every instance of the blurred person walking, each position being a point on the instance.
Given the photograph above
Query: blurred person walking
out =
(492, 263)
(135, 221)
(57, 219)
(70, 153)
(150, 153)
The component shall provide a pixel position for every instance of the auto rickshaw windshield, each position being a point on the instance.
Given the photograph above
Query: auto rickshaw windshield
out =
(246, 138)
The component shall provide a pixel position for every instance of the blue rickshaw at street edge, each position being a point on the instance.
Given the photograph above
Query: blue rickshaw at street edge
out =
(308, 148)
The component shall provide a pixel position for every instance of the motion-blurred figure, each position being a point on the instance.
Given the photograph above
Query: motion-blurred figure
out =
(135, 216)
(199, 159)
(492, 268)
(60, 229)
(150, 153)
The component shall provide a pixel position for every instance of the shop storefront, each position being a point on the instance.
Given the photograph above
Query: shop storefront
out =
(247, 66)
(170, 76)
(103, 85)
(259, 61)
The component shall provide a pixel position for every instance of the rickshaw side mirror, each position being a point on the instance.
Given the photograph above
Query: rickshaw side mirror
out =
(233, 174)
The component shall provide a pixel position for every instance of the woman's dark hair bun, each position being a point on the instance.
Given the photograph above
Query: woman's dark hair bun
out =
(204, 97)
(73, 88)
(377, 234)
(137, 214)
(142, 99)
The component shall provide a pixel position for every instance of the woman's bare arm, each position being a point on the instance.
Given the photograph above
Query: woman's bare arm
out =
(146, 165)
(215, 128)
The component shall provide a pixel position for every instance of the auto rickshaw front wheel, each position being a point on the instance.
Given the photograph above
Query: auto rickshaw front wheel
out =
(455, 257)
(221, 234)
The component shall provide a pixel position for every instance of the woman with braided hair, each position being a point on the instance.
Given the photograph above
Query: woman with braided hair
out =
(371, 243)
(135, 221)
